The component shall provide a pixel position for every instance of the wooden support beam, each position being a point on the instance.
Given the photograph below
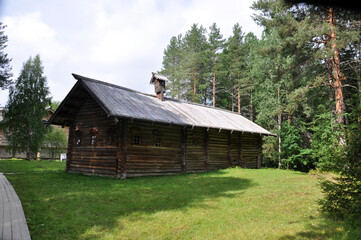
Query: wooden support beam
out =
(70, 146)
(229, 147)
(183, 149)
(259, 158)
(122, 149)
(119, 150)
(206, 151)
(240, 157)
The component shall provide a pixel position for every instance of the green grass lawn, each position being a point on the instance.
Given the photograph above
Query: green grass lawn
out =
(225, 204)
(22, 166)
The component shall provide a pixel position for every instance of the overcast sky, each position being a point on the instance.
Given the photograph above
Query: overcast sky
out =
(117, 41)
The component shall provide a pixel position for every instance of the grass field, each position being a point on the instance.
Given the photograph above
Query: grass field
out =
(225, 204)
(22, 166)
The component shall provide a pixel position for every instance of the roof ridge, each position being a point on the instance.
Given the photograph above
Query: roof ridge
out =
(79, 77)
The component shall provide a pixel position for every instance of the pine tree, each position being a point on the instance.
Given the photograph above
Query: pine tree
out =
(194, 64)
(5, 68)
(23, 116)
(235, 56)
(171, 66)
(216, 42)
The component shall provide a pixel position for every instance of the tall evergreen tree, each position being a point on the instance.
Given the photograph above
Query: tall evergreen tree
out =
(216, 42)
(171, 66)
(23, 116)
(233, 64)
(194, 64)
(5, 68)
(285, 67)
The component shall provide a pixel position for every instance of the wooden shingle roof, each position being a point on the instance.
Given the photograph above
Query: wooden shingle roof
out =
(121, 102)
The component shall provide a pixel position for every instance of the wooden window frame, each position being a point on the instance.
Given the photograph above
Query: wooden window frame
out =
(157, 138)
(78, 139)
(93, 136)
(111, 136)
(157, 141)
(195, 142)
(137, 139)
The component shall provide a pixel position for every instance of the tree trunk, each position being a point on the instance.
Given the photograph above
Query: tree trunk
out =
(251, 106)
(289, 117)
(239, 99)
(279, 122)
(214, 78)
(336, 69)
(232, 99)
(194, 86)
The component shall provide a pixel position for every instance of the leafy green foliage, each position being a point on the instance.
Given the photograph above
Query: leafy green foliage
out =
(5, 68)
(286, 76)
(23, 115)
(343, 192)
(293, 155)
(325, 143)
(55, 141)
(54, 105)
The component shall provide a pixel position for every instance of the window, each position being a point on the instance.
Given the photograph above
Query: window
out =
(195, 142)
(111, 133)
(93, 139)
(93, 136)
(77, 137)
(137, 139)
(157, 141)
(157, 138)
(136, 134)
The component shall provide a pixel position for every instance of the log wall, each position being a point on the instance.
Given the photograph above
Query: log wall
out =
(140, 148)
(151, 157)
(97, 157)
(251, 150)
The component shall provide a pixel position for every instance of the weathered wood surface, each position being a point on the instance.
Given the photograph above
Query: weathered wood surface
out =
(99, 158)
(161, 149)
(12, 219)
(148, 159)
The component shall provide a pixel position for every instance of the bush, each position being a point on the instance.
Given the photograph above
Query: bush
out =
(343, 193)
(55, 141)
(293, 154)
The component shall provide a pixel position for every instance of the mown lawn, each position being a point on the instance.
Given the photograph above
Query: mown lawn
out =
(22, 166)
(225, 204)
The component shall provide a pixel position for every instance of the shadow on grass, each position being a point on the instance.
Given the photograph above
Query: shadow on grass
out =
(65, 206)
(328, 229)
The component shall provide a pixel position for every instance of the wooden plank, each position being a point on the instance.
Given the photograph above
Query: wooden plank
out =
(184, 149)
(2, 206)
(70, 146)
(14, 203)
(7, 213)
(123, 148)
(240, 150)
(206, 149)
(12, 219)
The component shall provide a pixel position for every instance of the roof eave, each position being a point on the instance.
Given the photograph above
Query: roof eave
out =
(190, 125)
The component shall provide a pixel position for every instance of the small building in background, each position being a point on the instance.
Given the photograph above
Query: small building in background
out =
(118, 132)
(43, 154)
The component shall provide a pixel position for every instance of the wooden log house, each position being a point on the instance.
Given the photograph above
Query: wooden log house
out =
(119, 132)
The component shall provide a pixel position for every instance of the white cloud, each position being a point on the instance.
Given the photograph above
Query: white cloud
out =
(116, 41)
(28, 35)
(225, 13)
(130, 34)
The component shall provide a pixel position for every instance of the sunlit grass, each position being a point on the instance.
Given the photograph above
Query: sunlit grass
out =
(225, 204)
(19, 166)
